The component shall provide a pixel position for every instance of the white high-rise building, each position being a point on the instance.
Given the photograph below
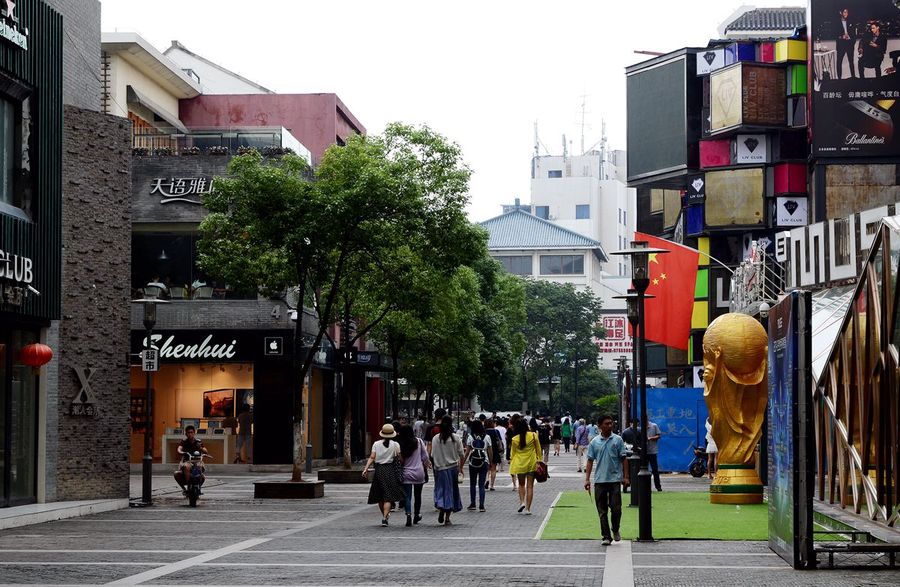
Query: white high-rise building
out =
(587, 194)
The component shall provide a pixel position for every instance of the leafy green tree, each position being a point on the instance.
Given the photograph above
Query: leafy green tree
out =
(274, 225)
(559, 332)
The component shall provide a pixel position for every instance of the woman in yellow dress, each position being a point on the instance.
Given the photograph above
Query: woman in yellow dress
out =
(525, 452)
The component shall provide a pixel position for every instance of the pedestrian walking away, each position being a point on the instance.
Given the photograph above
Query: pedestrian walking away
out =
(387, 480)
(581, 442)
(478, 455)
(567, 432)
(556, 435)
(415, 472)
(496, 453)
(544, 431)
(606, 457)
(447, 453)
(525, 452)
(510, 432)
(653, 434)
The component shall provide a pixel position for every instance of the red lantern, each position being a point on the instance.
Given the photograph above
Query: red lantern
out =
(35, 355)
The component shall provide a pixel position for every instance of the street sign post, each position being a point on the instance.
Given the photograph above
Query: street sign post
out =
(150, 360)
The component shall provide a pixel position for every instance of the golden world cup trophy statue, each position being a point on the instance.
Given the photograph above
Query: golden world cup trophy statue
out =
(735, 385)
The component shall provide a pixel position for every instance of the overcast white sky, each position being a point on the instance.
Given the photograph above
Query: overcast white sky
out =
(479, 72)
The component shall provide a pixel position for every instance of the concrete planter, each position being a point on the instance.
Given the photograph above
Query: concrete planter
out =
(288, 489)
(343, 476)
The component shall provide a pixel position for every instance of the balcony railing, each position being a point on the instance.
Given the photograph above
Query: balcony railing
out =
(268, 141)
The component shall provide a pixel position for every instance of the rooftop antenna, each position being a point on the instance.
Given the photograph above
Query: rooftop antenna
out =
(537, 141)
(583, 108)
(565, 147)
(603, 139)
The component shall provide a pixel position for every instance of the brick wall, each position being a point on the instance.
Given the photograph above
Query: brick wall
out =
(81, 52)
(94, 330)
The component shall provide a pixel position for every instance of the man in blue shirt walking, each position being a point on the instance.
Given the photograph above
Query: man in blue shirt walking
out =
(607, 450)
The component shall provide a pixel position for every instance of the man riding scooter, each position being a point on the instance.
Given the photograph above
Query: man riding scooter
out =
(186, 448)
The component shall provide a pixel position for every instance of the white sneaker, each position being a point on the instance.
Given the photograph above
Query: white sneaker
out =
(606, 542)
(527, 512)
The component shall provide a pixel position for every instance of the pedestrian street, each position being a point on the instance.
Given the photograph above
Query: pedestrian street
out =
(233, 539)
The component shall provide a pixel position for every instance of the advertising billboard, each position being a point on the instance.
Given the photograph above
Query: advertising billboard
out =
(734, 197)
(745, 94)
(789, 430)
(855, 56)
(680, 413)
(662, 133)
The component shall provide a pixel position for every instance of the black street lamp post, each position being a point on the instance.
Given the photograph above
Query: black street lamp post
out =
(149, 306)
(640, 278)
(634, 461)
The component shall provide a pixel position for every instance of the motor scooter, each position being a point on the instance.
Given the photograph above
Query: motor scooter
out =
(697, 467)
(195, 478)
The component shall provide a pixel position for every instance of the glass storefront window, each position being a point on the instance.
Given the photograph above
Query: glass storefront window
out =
(171, 259)
(18, 421)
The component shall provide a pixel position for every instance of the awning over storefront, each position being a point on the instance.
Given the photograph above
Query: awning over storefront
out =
(135, 97)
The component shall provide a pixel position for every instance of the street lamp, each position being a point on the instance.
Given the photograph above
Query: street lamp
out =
(149, 305)
(639, 254)
(634, 461)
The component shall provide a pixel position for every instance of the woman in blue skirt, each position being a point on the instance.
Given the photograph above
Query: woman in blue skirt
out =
(447, 454)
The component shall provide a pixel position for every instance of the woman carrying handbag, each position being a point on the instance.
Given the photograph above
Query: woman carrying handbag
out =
(525, 452)
(385, 489)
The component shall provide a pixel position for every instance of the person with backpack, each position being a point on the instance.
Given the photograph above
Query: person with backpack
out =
(496, 452)
(543, 430)
(567, 432)
(479, 456)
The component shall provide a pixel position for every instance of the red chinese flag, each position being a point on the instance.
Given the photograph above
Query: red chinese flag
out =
(673, 278)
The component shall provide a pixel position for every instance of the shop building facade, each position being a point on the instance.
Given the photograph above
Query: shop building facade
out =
(221, 349)
(64, 233)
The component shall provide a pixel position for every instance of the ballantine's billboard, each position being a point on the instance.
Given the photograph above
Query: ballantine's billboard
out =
(856, 86)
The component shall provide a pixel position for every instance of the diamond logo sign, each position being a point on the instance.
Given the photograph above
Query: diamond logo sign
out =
(709, 57)
(791, 211)
(750, 149)
(697, 184)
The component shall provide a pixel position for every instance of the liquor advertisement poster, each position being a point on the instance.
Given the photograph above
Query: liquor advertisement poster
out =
(855, 85)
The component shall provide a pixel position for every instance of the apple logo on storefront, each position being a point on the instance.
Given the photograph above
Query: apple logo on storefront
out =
(273, 345)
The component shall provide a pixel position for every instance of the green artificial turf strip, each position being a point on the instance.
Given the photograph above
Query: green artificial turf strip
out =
(676, 515)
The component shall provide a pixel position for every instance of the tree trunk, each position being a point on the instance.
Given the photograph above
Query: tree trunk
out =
(348, 461)
(297, 470)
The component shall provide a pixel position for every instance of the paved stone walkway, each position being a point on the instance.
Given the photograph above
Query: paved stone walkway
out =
(234, 539)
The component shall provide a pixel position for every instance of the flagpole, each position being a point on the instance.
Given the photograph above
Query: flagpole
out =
(707, 255)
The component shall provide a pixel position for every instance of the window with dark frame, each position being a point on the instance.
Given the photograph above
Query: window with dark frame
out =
(542, 212)
(562, 264)
(15, 149)
(516, 264)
